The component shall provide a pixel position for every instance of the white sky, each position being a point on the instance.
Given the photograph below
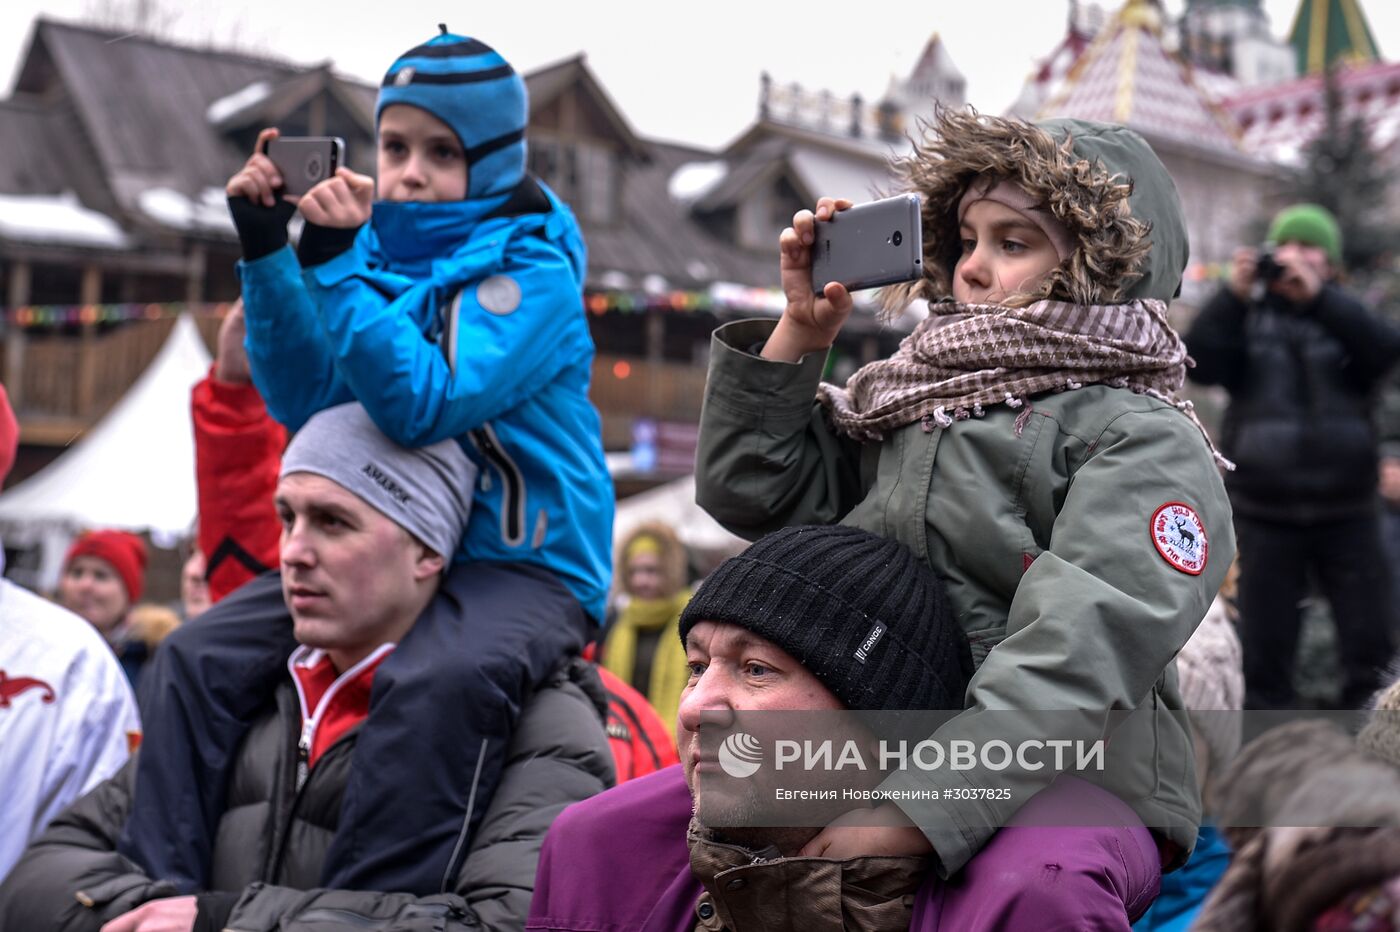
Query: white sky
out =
(686, 72)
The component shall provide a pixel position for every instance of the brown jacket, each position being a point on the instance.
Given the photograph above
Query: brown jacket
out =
(746, 891)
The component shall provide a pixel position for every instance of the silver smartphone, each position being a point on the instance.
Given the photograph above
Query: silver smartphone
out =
(305, 161)
(878, 243)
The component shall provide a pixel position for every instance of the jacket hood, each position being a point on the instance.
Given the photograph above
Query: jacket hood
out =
(1102, 181)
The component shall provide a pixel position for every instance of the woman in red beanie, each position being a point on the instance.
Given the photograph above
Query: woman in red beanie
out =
(104, 574)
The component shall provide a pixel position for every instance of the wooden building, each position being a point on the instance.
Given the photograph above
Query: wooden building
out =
(114, 150)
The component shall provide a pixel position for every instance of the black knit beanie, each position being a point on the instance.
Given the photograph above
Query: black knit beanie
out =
(859, 611)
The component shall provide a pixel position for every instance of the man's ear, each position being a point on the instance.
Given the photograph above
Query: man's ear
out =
(428, 565)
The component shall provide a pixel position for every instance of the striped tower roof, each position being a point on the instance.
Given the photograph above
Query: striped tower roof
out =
(1328, 31)
(1126, 76)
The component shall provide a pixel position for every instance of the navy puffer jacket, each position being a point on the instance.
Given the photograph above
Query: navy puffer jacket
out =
(271, 841)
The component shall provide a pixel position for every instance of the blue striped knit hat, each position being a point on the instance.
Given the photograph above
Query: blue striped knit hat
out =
(470, 87)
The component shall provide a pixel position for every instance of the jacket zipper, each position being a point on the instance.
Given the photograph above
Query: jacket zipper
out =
(302, 771)
(302, 779)
(309, 724)
(304, 755)
(513, 498)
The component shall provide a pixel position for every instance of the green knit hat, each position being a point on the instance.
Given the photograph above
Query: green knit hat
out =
(1311, 224)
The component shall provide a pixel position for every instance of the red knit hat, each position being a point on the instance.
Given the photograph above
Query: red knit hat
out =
(9, 434)
(123, 550)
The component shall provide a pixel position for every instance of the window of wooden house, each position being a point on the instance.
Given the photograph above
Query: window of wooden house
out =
(581, 172)
(754, 217)
(54, 284)
(785, 202)
(544, 163)
(598, 174)
(764, 215)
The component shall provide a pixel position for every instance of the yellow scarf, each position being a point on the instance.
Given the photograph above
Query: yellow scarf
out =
(669, 671)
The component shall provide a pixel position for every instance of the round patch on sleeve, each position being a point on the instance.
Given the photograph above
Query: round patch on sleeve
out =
(499, 294)
(1180, 537)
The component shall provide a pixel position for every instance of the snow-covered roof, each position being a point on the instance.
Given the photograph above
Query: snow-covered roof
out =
(58, 219)
(208, 212)
(241, 99)
(693, 179)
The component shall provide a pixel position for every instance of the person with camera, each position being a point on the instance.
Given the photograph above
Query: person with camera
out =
(450, 307)
(1035, 405)
(1302, 359)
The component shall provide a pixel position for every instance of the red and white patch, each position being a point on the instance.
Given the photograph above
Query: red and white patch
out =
(1180, 537)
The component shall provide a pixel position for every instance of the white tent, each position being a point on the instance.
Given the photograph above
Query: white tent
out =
(674, 503)
(133, 470)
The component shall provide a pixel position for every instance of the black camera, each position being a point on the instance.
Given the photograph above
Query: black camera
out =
(1267, 269)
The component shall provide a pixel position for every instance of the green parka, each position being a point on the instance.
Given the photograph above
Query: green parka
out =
(1043, 536)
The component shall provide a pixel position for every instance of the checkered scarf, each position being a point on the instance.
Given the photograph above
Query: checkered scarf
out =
(965, 356)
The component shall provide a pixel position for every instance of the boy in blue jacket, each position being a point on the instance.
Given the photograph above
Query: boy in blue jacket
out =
(449, 308)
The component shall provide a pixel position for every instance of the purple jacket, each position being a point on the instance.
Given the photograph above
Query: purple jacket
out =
(619, 862)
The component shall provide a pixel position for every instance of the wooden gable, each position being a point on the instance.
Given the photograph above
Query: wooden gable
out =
(579, 142)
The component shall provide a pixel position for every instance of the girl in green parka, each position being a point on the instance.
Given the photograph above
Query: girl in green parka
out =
(1026, 440)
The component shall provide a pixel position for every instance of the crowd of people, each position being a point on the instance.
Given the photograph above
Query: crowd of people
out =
(397, 694)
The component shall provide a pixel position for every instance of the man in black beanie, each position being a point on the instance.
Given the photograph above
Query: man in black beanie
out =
(806, 619)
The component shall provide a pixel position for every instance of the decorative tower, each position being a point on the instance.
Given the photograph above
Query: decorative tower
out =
(1328, 31)
(1232, 37)
(934, 80)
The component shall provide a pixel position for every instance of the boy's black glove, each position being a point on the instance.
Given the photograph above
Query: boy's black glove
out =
(320, 244)
(261, 230)
(214, 910)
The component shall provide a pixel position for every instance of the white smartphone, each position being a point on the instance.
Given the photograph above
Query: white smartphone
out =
(872, 244)
(304, 161)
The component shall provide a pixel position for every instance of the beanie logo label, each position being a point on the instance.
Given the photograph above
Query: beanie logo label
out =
(383, 480)
(405, 77)
(1180, 537)
(871, 639)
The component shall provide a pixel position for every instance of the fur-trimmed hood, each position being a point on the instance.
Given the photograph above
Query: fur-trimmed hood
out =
(1102, 181)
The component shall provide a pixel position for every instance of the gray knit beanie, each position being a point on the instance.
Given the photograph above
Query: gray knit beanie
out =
(427, 491)
(859, 611)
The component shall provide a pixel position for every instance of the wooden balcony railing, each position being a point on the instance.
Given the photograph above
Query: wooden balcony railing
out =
(61, 383)
(626, 388)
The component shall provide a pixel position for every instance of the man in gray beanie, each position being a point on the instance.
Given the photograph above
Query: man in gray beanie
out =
(368, 530)
(368, 527)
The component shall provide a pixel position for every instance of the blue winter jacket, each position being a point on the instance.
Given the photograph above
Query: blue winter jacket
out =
(1184, 891)
(461, 319)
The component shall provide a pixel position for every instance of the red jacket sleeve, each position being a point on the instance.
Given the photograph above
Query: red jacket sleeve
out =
(238, 452)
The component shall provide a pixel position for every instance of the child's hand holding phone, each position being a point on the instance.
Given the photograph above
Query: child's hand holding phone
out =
(258, 180)
(343, 200)
(810, 322)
